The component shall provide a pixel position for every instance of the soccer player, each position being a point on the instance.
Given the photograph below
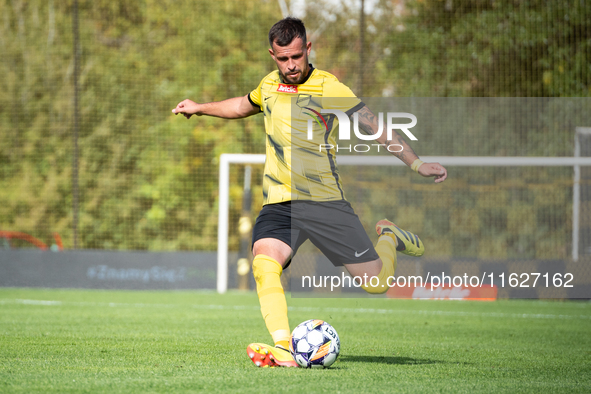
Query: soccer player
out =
(303, 194)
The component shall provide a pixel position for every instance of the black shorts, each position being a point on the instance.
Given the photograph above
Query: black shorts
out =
(332, 226)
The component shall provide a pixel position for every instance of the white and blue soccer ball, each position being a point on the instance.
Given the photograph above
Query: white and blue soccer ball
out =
(314, 344)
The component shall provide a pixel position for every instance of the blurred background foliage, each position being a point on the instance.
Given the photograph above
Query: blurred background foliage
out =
(148, 179)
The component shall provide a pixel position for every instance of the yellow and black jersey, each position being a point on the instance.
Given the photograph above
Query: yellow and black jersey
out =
(301, 140)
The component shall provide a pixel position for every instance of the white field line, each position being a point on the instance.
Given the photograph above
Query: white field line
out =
(301, 309)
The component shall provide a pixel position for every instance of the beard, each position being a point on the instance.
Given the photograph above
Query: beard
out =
(291, 81)
(298, 79)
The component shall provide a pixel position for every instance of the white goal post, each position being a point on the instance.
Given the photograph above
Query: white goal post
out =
(466, 161)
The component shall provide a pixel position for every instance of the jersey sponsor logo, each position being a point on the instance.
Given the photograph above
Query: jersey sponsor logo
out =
(287, 88)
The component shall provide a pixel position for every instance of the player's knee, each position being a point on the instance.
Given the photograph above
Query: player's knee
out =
(272, 248)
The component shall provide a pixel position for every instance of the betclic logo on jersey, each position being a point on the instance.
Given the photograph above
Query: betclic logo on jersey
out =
(287, 88)
(392, 119)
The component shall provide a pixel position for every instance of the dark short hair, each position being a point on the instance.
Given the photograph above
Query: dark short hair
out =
(286, 30)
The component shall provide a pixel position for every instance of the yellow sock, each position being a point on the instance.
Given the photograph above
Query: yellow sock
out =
(386, 249)
(267, 275)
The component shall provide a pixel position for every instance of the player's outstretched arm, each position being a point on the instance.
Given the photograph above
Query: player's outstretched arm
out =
(369, 123)
(234, 108)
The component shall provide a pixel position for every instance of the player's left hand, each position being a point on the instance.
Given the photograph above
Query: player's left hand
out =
(433, 169)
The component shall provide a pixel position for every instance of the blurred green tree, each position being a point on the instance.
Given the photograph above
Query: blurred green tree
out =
(492, 48)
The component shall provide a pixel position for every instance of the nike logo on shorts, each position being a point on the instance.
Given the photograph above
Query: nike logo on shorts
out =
(362, 253)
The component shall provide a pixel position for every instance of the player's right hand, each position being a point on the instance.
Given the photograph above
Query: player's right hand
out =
(186, 107)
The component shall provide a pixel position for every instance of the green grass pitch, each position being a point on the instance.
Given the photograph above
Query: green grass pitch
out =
(122, 341)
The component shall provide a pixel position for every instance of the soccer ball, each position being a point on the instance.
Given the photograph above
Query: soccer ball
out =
(314, 344)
